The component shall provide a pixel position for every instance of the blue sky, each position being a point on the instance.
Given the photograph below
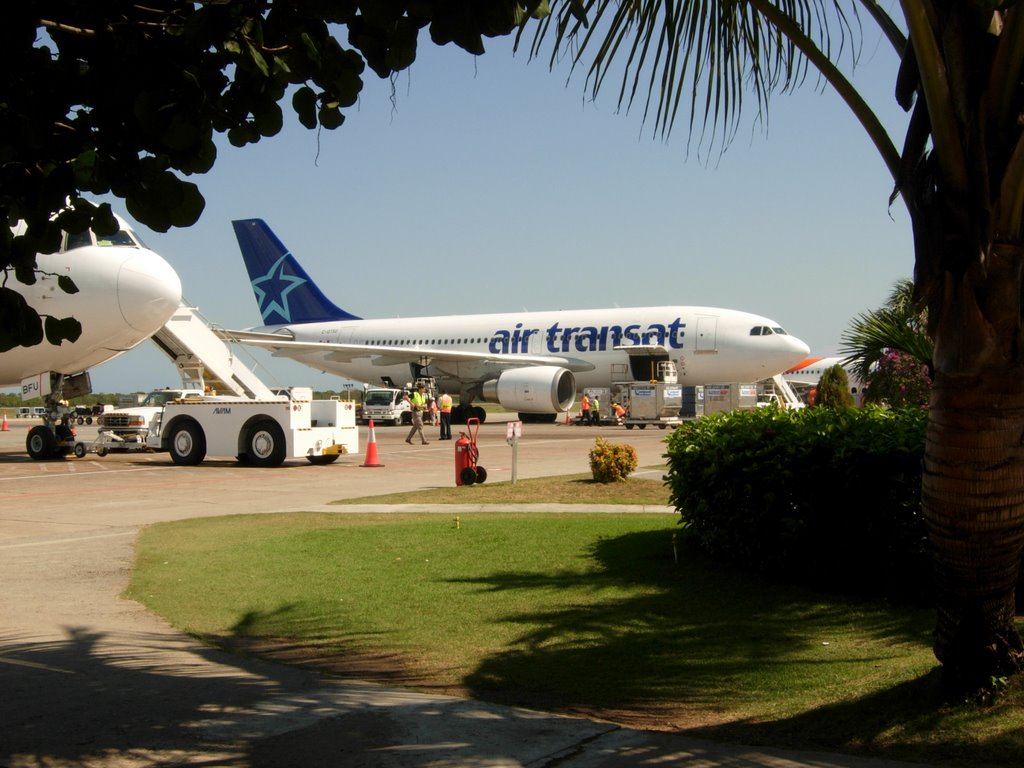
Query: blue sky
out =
(490, 184)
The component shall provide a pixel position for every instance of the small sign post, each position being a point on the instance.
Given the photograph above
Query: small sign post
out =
(512, 434)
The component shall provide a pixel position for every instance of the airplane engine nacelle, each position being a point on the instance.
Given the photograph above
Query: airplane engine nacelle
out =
(540, 389)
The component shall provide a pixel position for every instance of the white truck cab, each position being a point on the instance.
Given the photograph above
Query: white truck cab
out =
(385, 405)
(133, 424)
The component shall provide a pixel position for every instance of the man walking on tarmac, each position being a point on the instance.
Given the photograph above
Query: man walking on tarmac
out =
(446, 416)
(419, 403)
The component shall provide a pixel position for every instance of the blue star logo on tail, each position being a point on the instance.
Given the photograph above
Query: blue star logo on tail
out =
(272, 291)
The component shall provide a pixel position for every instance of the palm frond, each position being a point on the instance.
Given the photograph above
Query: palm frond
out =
(709, 58)
(872, 334)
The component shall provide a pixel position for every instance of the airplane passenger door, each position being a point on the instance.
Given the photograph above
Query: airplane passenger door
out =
(707, 333)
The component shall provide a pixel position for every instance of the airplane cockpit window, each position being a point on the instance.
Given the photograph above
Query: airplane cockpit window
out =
(780, 331)
(121, 237)
(78, 240)
(755, 331)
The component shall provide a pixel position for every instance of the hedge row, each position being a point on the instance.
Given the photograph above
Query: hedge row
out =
(830, 498)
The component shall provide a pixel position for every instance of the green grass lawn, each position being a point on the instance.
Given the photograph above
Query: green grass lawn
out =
(600, 614)
(565, 489)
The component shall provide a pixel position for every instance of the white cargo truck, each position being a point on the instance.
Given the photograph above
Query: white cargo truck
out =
(385, 405)
(190, 424)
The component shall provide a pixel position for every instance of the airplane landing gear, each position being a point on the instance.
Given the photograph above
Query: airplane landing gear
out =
(55, 437)
(461, 414)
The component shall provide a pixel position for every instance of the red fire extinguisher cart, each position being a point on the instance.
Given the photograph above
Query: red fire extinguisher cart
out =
(466, 454)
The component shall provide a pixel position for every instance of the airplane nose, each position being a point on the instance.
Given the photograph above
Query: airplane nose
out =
(800, 348)
(148, 291)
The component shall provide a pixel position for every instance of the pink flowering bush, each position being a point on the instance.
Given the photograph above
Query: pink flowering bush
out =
(899, 381)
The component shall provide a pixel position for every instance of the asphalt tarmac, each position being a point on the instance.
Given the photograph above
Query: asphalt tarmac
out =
(90, 679)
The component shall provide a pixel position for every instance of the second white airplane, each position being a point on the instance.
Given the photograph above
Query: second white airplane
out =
(530, 362)
(125, 293)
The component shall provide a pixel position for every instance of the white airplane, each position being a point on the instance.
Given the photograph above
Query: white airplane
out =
(807, 373)
(126, 293)
(530, 362)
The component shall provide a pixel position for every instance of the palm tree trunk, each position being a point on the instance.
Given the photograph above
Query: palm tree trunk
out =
(973, 486)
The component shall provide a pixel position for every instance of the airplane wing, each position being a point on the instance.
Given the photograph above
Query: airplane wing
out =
(282, 344)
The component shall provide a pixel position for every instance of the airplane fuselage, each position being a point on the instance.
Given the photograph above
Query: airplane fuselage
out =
(708, 345)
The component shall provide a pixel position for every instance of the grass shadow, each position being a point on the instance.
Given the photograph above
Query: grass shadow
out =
(708, 650)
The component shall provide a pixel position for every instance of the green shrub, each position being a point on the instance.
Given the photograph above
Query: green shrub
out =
(831, 498)
(834, 389)
(610, 462)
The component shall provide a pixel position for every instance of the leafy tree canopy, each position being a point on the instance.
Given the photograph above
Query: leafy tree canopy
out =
(123, 98)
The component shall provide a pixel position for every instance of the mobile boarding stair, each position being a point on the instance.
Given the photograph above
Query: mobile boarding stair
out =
(787, 397)
(202, 358)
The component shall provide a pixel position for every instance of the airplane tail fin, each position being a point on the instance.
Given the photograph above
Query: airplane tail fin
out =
(284, 292)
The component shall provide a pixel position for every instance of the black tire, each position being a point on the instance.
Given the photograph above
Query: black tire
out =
(480, 413)
(265, 445)
(101, 452)
(41, 443)
(468, 475)
(324, 459)
(187, 444)
(629, 426)
(481, 475)
(80, 450)
(65, 435)
(642, 426)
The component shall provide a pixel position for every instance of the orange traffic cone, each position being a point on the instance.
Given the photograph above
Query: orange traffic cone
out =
(371, 450)
(5, 427)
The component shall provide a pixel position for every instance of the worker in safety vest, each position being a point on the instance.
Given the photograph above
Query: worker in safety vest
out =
(585, 410)
(418, 401)
(446, 416)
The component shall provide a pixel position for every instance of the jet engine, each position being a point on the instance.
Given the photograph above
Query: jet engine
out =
(540, 389)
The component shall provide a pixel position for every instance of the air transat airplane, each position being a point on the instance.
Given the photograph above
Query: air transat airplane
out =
(126, 293)
(530, 362)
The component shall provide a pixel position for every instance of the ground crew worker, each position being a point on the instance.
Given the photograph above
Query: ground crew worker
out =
(585, 409)
(446, 416)
(418, 401)
(595, 410)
